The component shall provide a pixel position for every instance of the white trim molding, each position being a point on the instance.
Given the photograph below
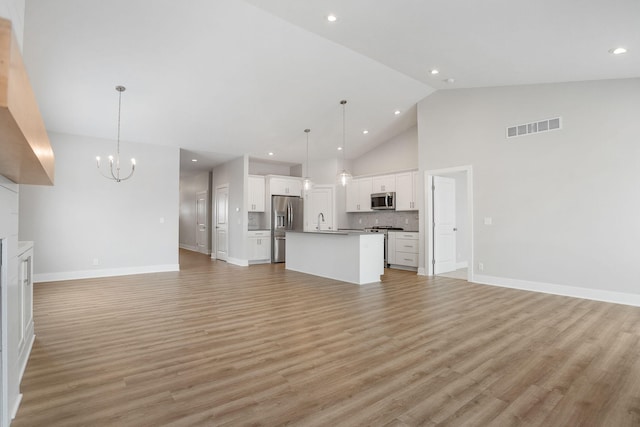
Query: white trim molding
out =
(238, 261)
(92, 274)
(188, 247)
(564, 290)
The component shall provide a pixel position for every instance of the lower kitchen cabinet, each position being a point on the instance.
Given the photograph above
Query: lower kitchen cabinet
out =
(259, 246)
(403, 249)
(25, 304)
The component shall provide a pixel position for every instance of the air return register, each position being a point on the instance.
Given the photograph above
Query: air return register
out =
(534, 127)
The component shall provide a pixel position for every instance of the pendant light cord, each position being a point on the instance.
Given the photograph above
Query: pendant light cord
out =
(344, 133)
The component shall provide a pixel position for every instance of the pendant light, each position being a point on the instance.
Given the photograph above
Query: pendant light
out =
(344, 177)
(114, 175)
(306, 183)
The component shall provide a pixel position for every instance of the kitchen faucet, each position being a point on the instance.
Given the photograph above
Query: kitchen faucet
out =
(320, 216)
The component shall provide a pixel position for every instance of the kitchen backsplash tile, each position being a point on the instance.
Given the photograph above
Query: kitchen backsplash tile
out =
(404, 220)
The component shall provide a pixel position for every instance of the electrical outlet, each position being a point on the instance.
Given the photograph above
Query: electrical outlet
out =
(359, 220)
(406, 221)
(488, 220)
(161, 220)
(481, 266)
(377, 220)
(96, 261)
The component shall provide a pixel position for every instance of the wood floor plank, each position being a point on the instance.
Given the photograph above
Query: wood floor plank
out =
(217, 344)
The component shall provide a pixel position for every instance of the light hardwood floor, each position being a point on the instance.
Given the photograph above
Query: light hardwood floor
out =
(217, 344)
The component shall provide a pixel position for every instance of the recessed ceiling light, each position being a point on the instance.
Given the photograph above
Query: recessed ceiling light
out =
(618, 51)
(434, 72)
(194, 160)
(365, 131)
(397, 112)
(339, 148)
(270, 153)
(449, 80)
(331, 18)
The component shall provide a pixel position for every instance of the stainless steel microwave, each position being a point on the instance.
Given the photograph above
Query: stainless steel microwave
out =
(380, 201)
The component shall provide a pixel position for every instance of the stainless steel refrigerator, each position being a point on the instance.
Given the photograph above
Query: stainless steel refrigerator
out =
(286, 215)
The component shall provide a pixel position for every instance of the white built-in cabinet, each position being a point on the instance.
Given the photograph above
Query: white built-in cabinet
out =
(405, 185)
(402, 249)
(359, 195)
(25, 303)
(383, 183)
(256, 193)
(259, 244)
(285, 186)
(407, 191)
(320, 200)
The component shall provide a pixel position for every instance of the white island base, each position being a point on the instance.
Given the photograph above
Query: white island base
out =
(350, 257)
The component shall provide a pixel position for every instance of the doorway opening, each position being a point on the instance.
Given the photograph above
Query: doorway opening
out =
(449, 229)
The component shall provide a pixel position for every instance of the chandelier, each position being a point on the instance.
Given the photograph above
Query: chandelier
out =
(114, 172)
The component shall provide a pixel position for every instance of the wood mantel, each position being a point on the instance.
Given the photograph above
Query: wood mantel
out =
(26, 156)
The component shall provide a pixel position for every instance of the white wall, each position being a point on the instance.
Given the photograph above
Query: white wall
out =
(235, 174)
(14, 11)
(10, 315)
(129, 227)
(563, 203)
(189, 186)
(398, 154)
(266, 168)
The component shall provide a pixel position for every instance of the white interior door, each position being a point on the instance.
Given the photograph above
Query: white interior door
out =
(222, 222)
(444, 224)
(202, 240)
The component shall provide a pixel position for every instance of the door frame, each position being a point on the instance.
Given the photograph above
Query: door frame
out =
(428, 235)
(207, 246)
(214, 237)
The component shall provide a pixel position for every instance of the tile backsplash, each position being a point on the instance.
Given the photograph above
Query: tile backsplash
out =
(405, 220)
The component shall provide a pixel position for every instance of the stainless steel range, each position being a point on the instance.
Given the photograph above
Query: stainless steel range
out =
(384, 229)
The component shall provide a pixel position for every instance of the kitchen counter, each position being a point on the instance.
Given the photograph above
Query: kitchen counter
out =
(350, 256)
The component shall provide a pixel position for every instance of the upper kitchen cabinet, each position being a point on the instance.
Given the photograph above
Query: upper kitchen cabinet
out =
(284, 186)
(384, 183)
(359, 195)
(406, 191)
(256, 193)
(27, 156)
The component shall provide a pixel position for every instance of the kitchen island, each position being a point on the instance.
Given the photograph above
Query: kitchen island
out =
(353, 257)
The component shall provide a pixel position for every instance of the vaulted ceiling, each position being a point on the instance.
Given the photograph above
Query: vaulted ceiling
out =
(228, 77)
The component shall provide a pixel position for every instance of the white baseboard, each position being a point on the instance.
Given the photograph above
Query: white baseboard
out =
(16, 406)
(238, 261)
(259, 261)
(462, 264)
(569, 291)
(188, 247)
(92, 274)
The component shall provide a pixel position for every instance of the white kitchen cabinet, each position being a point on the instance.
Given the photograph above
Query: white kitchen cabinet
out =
(406, 191)
(320, 200)
(259, 246)
(359, 195)
(25, 304)
(404, 250)
(256, 193)
(285, 186)
(383, 183)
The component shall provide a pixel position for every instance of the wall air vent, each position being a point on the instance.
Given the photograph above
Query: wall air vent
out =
(534, 127)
